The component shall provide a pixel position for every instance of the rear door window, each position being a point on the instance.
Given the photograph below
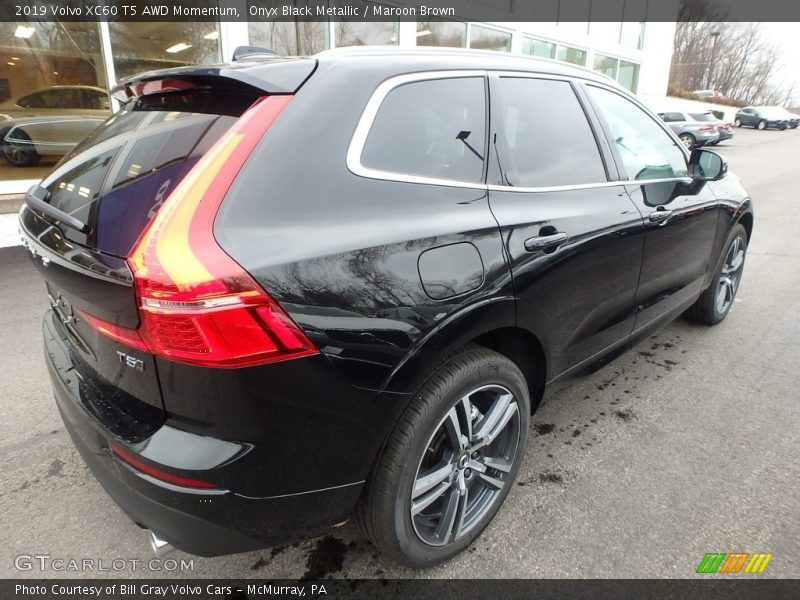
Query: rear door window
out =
(544, 136)
(433, 128)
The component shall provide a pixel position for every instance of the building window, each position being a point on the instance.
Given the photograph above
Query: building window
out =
(607, 65)
(147, 46)
(442, 33)
(625, 72)
(358, 32)
(290, 38)
(628, 75)
(576, 56)
(49, 120)
(539, 48)
(632, 35)
(484, 38)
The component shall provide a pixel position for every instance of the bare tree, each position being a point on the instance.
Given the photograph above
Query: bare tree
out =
(740, 61)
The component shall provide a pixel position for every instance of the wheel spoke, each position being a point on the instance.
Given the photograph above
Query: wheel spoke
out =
(453, 429)
(495, 420)
(466, 412)
(497, 464)
(493, 482)
(449, 514)
(431, 479)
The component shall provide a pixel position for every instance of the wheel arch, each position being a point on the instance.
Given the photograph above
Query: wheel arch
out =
(490, 325)
(746, 220)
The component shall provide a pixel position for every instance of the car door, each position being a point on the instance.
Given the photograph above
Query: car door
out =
(747, 117)
(680, 219)
(573, 236)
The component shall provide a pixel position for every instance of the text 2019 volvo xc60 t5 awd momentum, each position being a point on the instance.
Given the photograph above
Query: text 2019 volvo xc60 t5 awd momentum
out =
(290, 291)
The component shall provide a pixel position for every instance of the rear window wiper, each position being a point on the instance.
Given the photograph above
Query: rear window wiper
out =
(37, 198)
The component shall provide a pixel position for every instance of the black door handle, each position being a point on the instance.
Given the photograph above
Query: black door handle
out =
(543, 242)
(660, 216)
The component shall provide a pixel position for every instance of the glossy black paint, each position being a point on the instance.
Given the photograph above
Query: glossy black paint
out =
(387, 278)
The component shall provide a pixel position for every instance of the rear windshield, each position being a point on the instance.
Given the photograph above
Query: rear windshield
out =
(117, 178)
(703, 117)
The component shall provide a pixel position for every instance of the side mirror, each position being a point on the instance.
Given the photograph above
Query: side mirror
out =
(705, 165)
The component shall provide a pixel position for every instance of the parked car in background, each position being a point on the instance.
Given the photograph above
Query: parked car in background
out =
(724, 129)
(792, 119)
(82, 100)
(761, 117)
(692, 133)
(24, 141)
(265, 320)
(708, 94)
(50, 121)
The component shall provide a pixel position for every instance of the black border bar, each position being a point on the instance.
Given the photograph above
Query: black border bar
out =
(403, 10)
(417, 589)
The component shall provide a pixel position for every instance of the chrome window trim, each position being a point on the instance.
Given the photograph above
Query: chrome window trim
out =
(368, 116)
(586, 186)
(365, 122)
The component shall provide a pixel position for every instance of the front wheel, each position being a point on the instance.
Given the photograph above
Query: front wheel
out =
(762, 124)
(451, 460)
(715, 303)
(738, 122)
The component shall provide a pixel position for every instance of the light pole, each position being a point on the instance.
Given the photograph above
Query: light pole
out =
(715, 35)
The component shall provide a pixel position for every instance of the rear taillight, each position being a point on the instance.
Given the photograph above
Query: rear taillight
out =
(706, 128)
(197, 305)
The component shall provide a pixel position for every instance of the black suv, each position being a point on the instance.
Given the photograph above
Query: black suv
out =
(292, 291)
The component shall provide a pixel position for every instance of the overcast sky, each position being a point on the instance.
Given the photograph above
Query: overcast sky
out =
(788, 36)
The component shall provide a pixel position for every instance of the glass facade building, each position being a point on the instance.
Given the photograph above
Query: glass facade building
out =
(52, 71)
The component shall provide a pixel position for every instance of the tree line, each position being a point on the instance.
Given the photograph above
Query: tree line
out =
(743, 66)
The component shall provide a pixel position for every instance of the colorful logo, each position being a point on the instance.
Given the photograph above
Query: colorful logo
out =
(735, 562)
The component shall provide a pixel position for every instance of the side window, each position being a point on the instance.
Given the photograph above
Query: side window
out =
(544, 136)
(647, 151)
(32, 100)
(672, 117)
(434, 128)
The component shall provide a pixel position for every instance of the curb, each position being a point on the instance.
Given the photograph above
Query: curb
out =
(11, 203)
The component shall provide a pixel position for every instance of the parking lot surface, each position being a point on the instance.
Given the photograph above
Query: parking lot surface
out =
(685, 445)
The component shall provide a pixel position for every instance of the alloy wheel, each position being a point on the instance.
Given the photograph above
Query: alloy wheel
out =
(19, 150)
(687, 141)
(730, 276)
(466, 464)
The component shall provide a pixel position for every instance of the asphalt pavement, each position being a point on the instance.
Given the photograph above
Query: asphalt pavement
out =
(685, 445)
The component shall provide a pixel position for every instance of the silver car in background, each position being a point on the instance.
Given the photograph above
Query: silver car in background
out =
(50, 122)
(692, 133)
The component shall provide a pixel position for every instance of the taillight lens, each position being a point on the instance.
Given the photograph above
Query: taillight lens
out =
(197, 304)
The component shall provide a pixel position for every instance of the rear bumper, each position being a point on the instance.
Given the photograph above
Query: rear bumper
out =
(203, 522)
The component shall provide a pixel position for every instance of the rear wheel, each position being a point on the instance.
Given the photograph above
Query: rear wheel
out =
(451, 460)
(715, 303)
(688, 140)
(19, 150)
(762, 124)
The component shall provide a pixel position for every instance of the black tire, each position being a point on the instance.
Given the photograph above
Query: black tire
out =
(384, 513)
(688, 140)
(762, 124)
(20, 153)
(738, 122)
(708, 309)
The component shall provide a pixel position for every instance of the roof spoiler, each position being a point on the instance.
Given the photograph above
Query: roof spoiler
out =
(277, 75)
